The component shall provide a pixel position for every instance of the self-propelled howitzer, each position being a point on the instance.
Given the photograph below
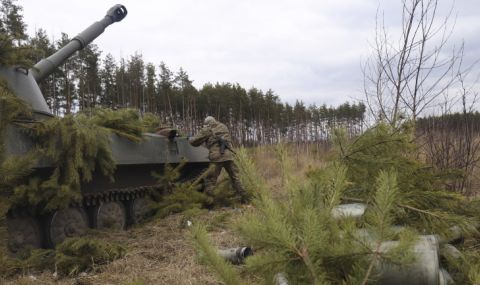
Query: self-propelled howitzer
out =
(104, 203)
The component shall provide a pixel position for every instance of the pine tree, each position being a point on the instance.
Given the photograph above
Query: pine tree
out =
(136, 77)
(165, 84)
(14, 48)
(121, 84)
(187, 94)
(42, 48)
(87, 73)
(425, 202)
(65, 98)
(108, 97)
(150, 92)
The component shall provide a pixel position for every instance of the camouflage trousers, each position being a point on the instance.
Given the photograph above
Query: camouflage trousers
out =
(233, 172)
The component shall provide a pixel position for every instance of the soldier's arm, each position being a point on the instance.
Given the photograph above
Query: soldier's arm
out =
(201, 137)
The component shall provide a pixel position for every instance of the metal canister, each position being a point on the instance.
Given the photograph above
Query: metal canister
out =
(423, 271)
(354, 210)
(236, 255)
(280, 279)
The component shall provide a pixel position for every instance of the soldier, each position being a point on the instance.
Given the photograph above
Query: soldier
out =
(219, 143)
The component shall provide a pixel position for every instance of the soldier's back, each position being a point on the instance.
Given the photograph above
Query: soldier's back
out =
(221, 131)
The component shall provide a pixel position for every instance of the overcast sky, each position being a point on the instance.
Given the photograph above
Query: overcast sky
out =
(310, 50)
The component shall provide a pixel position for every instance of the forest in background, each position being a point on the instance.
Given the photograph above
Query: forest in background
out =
(88, 80)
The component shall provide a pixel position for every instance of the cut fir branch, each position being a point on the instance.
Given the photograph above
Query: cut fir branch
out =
(224, 271)
(124, 122)
(423, 202)
(379, 217)
(77, 145)
(295, 237)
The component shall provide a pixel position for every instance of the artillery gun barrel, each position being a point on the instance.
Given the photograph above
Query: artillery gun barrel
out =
(46, 66)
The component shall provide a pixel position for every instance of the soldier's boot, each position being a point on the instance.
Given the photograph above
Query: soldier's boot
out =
(245, 199)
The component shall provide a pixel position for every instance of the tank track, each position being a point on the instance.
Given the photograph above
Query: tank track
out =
(117, 195)
(94, 199)
(131, 193)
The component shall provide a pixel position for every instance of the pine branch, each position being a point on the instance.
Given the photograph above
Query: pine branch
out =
(376, 254)
(380, 212)
(208, 253)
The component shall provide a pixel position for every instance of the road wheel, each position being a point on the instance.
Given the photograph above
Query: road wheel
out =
(23, 233)
(140, 209)
(66, 223)
(110, 215)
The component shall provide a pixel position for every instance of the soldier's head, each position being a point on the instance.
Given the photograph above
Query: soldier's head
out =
(209, 120)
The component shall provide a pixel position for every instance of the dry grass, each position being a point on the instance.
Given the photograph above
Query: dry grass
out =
(267, 162)
(159, 252)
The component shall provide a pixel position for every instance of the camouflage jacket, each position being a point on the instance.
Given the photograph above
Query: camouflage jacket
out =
(210, 135)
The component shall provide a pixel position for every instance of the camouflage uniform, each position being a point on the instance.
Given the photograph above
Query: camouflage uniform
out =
(210, 135)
